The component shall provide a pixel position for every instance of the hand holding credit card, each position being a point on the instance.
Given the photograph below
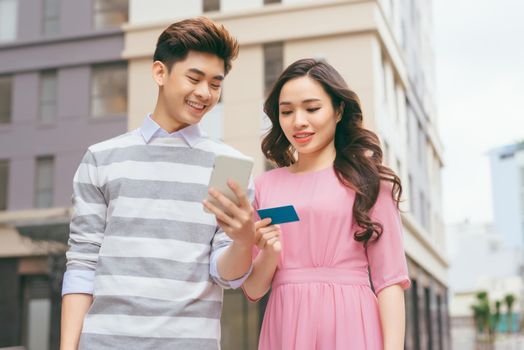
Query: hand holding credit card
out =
(279, 215)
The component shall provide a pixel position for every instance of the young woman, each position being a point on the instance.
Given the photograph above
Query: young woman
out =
(330, 169)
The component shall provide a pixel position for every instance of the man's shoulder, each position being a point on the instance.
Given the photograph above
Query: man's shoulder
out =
(127, 139)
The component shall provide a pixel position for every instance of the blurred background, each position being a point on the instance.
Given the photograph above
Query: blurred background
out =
(441, 82)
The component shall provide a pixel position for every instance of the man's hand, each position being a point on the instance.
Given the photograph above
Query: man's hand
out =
(237, 222)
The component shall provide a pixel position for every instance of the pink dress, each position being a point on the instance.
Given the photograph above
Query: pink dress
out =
(321, 296)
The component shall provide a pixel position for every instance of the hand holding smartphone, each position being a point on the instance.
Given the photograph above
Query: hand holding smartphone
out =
(229, 168)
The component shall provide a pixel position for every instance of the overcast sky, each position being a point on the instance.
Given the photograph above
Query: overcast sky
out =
(479, 52)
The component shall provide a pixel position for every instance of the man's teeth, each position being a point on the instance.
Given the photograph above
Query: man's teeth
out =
(196, 105)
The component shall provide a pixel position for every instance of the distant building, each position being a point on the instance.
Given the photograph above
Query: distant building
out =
(480, 260)
(507, 173)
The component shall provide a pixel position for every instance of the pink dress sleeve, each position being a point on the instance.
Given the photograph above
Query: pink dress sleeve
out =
(386, 257)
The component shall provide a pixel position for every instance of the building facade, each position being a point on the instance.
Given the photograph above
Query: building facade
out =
(62, 101)
(63, 87)
(384, 51)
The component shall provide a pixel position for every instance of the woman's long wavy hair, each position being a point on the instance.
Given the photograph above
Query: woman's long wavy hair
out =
(358, 161)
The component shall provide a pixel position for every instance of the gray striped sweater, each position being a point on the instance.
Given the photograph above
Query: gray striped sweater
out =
(141, 243)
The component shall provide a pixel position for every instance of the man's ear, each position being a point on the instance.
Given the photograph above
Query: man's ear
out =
(160, 73)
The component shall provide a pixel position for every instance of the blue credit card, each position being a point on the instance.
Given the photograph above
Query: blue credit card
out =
(279, 215)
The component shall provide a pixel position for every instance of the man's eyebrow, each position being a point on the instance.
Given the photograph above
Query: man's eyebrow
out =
(202, 74)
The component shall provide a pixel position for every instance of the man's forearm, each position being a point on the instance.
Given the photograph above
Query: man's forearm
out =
(74, 309)
(234, 262)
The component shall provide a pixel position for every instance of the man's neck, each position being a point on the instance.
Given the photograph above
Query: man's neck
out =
(165, 121)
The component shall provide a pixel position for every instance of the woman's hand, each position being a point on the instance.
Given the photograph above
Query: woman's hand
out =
(268, 237)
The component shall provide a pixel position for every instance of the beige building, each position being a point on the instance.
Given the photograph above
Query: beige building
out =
(383, 50)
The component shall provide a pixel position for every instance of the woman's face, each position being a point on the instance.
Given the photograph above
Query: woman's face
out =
(306, 115)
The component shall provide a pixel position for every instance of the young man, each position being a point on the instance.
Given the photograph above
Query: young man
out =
(146, 263)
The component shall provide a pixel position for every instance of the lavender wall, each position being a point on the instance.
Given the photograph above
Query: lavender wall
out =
(71, 52)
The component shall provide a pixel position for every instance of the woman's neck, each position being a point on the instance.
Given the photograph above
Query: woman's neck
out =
(314, 161)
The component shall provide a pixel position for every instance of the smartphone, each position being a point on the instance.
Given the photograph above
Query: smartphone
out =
(225, 168)
(279, 215)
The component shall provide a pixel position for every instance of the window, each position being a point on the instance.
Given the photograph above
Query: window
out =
(273, 64)
(429, 326)
(411, 195)
(5, 99)
(48, 93)
(385, 158)
(110, 13)
(109, 89)
(385, 80)
(422, 210)
(415, 315)
(421, 142)
(408, 121)
(51, 20)
(211, 5)
(4, 181)
(8, 20)
(44, 182)
(36, 311)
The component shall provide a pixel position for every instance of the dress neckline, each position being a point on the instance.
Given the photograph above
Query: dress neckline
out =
(305, 173)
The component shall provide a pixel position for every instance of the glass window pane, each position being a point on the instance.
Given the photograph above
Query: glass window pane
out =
(110, 13)
(44, 182)
(48, 86)
(39, 318)
(109, 90)
(8, 20)
(51, 8)
(273, 63)
(48, 113)
(4, 173)
(51, 26)
(211, 5)
(5, 99)
(48, 96)
(51, 16)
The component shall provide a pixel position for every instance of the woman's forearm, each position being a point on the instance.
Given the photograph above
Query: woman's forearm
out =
(392, 317)
(258, 283)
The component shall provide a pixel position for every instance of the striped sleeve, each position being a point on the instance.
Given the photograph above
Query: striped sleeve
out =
(220, 243)
(86, 229)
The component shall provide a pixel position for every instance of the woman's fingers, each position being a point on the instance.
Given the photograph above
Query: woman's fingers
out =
(267, 236)
(274, 244)
(262, 223)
